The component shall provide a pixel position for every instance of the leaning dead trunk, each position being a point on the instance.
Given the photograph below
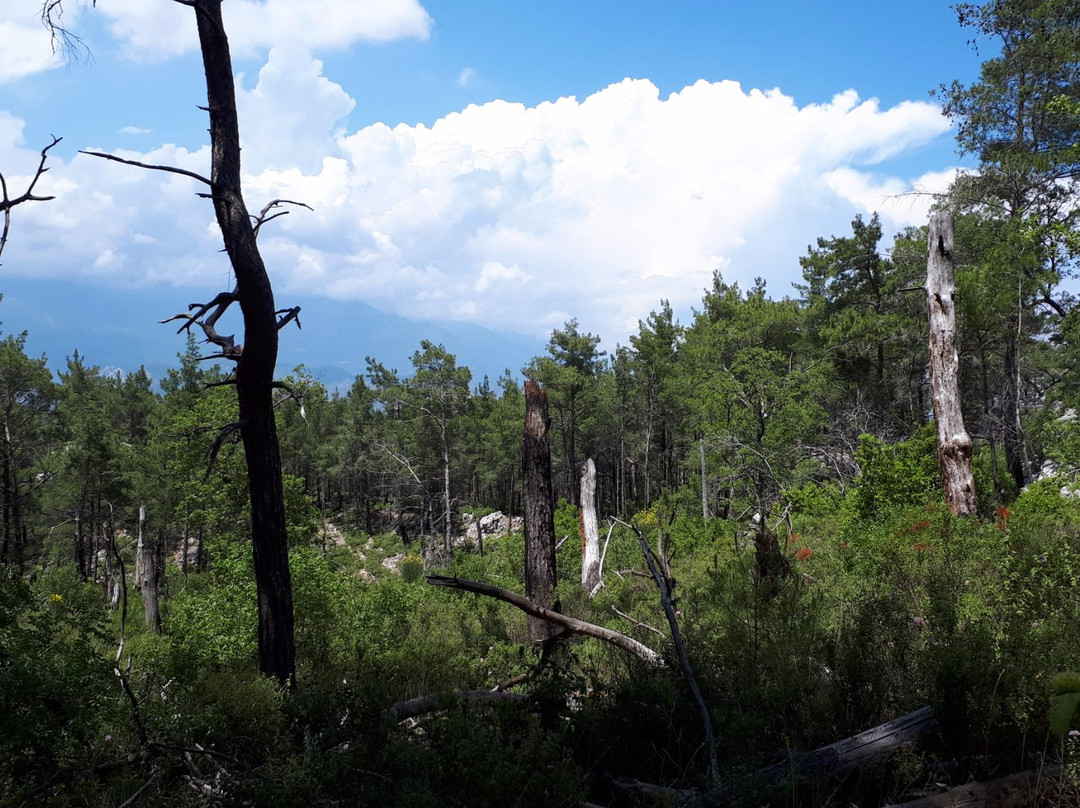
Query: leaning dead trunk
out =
(539, 509)
(590, 529)
(954, 444)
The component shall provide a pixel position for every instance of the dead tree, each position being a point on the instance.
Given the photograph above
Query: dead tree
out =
(539, 510)
(147, 576)
(7, 202)
(954, 444)
(256, 356)
(590, 530)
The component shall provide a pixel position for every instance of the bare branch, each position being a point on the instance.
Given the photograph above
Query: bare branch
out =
(676, 636)
(7, 203)
(263, 218)
(289, 314)
(636, 622)
(219, 441)
(168, 169)
(229, 348)
(569, 624)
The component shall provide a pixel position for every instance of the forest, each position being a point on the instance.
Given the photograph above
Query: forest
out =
(737, 555)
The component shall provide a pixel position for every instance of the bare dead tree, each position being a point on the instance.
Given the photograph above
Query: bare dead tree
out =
(7, 202)
(256, 356)
(954, 444)
(590, 530)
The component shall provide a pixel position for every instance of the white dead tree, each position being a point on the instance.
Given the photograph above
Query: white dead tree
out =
(954, 444)
(590, 530)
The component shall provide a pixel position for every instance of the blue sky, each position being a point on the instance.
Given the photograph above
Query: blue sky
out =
(491, 164)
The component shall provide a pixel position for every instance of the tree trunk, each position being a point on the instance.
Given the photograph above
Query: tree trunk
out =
(448, 541)
(255, 367)
(539, 510)
(1013, 434)
(590, 530)
(704, 479)
(954, 444)
(146, 576)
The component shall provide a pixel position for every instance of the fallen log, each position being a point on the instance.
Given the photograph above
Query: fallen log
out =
(1013, 791)
(858, 749)
(837, 757)
(569, 624)
(398, 712)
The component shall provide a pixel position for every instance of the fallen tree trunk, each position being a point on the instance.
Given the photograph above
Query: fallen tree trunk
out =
(1013, 791)
(569, 624)
(837, 757)
(859, 749)
(396, 713)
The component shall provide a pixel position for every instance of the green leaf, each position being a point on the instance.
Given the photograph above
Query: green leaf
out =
(1062, 708)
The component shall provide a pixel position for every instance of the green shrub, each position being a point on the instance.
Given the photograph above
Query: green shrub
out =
(412, 568)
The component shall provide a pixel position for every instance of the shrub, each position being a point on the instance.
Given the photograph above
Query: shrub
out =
(412, 568)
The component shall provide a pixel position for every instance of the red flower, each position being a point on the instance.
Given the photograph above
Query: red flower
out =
(804, 553)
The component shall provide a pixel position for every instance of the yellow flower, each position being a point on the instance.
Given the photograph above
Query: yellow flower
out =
(54, 598)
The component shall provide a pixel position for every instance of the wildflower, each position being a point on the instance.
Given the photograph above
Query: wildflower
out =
(804, 553)
(54, 598)
(108, 737)
(1074, 733)
(1034, 623)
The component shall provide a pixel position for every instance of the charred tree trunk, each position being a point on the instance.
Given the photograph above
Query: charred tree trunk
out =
(954, 444)
(255, 365)
(539, 509)
(590, 529)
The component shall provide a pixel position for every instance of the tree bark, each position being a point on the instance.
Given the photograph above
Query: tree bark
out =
(590, 529)
(146, 576)
(255, 366)
(954, 444)
(539, 510)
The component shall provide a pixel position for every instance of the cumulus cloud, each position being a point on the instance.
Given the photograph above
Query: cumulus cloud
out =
(900, 203)
(505, 215)
(27, 47)
(152, 31)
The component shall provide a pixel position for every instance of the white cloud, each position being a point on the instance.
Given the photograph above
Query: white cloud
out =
(27, 47)
(466, 77)
(153, 31)
(134, 130)
(510, 216)
(899, 203)
(290, 118)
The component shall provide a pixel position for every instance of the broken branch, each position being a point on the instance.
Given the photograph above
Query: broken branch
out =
(7, 203)
(167, 169)
(569, 624)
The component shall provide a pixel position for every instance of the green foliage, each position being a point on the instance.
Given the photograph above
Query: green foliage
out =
(892, 476)
(412, 568)
(58, 699)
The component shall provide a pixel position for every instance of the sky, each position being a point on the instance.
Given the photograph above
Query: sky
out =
(508, 166)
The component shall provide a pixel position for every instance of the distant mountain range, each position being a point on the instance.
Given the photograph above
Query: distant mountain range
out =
(119, 329)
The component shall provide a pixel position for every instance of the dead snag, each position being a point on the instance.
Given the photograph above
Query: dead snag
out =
(590, 530)
(539, 510)
(954, 444)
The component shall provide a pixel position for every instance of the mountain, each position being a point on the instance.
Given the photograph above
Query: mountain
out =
(119, 328)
